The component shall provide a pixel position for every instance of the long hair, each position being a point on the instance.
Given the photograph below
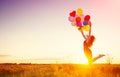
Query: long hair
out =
(90, 40)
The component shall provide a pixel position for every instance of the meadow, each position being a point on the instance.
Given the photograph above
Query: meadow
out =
(59, 70)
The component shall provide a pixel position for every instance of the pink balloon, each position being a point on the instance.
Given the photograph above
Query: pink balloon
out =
(82, 18)
(71, 19)
(79, 24)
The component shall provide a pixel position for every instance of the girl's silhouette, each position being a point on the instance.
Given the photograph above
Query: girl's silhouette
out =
(88, 42)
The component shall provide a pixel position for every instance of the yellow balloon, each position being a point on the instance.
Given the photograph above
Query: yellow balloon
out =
(83, 28)
(86, 28)
(79, 11)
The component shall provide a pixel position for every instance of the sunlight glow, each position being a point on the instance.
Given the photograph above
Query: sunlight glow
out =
(36, 29)
(79, 59)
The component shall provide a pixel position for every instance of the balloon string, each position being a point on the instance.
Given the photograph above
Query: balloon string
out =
(82, 33)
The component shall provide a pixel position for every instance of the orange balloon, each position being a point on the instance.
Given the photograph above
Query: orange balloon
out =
(73, 24)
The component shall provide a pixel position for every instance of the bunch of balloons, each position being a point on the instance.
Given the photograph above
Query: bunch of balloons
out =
(77, 18)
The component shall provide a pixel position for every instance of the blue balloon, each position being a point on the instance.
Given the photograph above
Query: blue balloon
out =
(85, 22)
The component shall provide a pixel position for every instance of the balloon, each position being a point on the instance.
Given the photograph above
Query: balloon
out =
(85, 22)
(73, 24)
(82, 18)
(71, 19)
(78, 19)
(86, 28)
(73, 13)
(87, 17)
(79, 11)
(79, 24)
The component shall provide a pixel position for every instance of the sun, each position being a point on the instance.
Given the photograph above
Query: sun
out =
(79, 59)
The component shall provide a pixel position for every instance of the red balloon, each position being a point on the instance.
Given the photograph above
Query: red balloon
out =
(73, 13)
(78, 19)
(87, 17)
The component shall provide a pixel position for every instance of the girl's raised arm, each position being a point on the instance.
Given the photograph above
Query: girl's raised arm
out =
(90, 31)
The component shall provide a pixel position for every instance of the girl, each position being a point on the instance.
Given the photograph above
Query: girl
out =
(88, 42)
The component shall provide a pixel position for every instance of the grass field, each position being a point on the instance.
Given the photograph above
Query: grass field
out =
(59, 70)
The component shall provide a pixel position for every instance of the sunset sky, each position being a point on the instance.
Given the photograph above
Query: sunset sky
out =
(39, 29)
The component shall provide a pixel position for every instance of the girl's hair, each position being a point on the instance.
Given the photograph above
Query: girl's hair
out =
(90, 40)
